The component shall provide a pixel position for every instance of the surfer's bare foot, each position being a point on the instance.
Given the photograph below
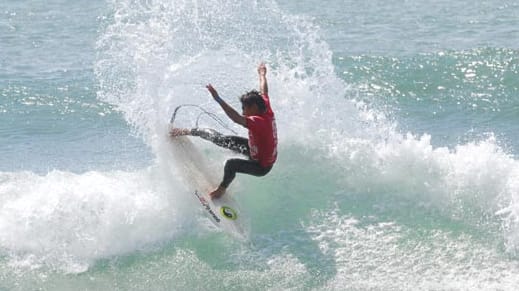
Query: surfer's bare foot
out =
(217, 193)
(179, 132)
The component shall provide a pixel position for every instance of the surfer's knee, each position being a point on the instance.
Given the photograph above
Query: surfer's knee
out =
(231, 165)
(230, 169)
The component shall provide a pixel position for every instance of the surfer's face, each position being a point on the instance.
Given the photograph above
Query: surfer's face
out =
(249, 110)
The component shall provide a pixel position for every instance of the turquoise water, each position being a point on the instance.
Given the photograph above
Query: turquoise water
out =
(398, 144)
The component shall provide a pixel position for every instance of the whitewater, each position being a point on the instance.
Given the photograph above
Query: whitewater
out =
(397, 165)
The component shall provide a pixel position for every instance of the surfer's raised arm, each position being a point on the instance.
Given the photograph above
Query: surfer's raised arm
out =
(233, 114)
(262, 72)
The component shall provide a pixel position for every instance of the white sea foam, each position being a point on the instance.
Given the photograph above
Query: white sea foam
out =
(474, 182)
(386, 256)
(65, 221)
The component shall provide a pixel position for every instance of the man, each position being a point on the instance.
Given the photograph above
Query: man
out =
(261, 146)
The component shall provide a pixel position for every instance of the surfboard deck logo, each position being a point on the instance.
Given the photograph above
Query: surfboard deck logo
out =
(207, 207)
(228, 212)
(224, 210)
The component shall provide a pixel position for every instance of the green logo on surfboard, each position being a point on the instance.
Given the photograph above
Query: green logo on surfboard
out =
(228, 212)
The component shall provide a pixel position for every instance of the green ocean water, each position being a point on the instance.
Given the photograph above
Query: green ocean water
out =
(398, 144)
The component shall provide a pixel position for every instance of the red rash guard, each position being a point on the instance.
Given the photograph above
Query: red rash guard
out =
(263, 139)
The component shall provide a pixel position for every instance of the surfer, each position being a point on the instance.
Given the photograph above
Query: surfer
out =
(261, 146)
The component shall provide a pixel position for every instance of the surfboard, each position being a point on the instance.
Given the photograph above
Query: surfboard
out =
(224, 212)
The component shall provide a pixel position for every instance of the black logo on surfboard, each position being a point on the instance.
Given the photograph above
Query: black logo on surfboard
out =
(228, 212)
(207, 207)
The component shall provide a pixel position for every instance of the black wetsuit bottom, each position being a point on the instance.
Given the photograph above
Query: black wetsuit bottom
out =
(237, 144)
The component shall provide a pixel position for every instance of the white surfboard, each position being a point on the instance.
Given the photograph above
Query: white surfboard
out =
(223, 212)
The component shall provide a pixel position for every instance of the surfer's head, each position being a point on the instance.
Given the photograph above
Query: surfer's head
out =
(252, 103)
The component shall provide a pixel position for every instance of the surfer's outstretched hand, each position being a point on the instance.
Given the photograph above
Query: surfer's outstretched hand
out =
(213, 92)
(262, 69)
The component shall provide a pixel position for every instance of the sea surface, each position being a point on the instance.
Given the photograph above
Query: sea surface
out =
(398, 126)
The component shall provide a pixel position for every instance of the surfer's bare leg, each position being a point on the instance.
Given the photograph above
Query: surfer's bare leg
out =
(179, 132)
(217, 193)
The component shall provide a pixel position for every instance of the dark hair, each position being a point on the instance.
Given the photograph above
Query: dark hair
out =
(253, 97)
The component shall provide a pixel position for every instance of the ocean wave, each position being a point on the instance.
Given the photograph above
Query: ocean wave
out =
(66, 221)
